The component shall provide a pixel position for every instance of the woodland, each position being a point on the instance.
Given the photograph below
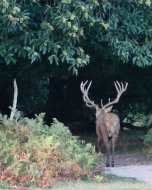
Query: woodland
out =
(50, 47)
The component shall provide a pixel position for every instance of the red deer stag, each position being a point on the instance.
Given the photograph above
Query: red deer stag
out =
(107, 123)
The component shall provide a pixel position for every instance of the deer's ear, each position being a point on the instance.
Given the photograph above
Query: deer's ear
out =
(107, 110)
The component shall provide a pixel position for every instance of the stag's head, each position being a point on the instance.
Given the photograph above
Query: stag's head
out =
(102, 109)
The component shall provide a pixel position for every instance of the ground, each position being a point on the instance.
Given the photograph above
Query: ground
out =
(132, 165)
(131, 158)
(140, 172)
(136, 163)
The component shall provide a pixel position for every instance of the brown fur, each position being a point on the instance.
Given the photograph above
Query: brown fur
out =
(107, 124)
(107, 129)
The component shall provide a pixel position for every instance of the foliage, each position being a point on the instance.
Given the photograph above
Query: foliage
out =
(148, 137)
(137, 119)
(42, 39)
(148, 142)
(124, 31)
(59, 29)
(32, 29)
(146, 2)
(32, 152)
(120, 184)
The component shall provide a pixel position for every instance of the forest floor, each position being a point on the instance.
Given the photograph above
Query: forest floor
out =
(134, 165)
(131, 159)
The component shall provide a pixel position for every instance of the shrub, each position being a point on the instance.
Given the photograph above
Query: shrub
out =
(148, 137)
(148, 142)
(137, 119)
(33, 152)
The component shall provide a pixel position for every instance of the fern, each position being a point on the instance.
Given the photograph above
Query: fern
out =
(33, 152)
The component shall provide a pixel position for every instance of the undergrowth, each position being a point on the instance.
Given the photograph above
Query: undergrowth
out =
(32, 152)
(148, 142)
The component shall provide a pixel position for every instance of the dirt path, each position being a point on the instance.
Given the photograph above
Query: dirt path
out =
(132, 165)
(140, 172)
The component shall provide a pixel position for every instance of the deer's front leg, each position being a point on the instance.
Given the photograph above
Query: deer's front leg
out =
(99, 144)
(113, 142)
(113, 152)
(108, 148)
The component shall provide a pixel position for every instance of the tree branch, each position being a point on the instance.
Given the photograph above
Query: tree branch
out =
(14, 100)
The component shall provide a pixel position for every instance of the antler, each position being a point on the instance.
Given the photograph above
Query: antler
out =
(121, 88)
(84, 91)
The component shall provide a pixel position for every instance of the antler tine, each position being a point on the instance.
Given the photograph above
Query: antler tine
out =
(83, 86)
(126, 85)
(88, 102)
(84, 91)
(101, 103)
(122, 85)
(117, 85)
(121, 88)
(88, 87)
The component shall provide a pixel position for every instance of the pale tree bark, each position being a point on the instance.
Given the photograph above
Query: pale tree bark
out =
(14, 100)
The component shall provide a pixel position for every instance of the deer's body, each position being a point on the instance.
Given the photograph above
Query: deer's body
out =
(107, 123)
(107, 129)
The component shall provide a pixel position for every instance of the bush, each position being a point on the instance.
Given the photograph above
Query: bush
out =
(148, 141)
(32, 152)
(137, 119)
(148, 137)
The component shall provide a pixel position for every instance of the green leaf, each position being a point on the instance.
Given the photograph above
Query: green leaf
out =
(53, 59)
(9, 58)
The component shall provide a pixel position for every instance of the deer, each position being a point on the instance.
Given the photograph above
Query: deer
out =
(107, 123)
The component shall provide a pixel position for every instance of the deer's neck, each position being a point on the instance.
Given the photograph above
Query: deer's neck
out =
(100, 119)
(100, 116)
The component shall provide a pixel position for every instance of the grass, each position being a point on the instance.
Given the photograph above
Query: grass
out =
(130, 141)
(4, 186)
(113, 178)
(80, 185)
(103, 186)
